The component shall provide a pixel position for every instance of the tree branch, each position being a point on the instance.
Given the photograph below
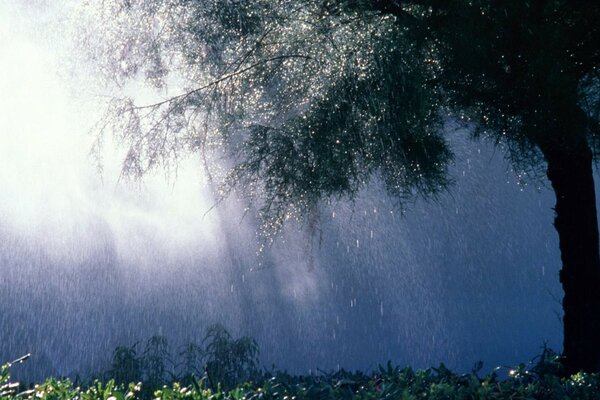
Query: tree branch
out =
(223, 78)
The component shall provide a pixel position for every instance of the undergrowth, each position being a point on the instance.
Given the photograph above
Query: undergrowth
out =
(230, 373)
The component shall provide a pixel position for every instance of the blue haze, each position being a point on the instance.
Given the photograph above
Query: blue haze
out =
(472, 276)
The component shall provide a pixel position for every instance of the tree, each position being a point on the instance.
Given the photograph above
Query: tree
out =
(312, 99)
(527, 73)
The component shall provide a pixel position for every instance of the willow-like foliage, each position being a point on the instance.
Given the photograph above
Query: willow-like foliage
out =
(310, 99)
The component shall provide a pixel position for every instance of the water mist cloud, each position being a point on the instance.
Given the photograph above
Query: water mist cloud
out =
(50, 186)
(92, 261)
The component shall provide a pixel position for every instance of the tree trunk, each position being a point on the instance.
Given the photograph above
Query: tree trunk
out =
(570, 172)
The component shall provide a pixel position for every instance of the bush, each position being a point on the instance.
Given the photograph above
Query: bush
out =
(228, 358)
(222, 362)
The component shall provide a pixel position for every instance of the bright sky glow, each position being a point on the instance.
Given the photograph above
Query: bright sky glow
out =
(36, 149)
(50, 188)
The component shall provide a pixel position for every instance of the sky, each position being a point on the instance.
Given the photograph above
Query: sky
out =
(91, 261)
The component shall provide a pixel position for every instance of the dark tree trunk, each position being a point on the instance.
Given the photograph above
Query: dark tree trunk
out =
(570, 172)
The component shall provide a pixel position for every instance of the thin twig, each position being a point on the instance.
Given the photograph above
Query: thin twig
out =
(184, 96)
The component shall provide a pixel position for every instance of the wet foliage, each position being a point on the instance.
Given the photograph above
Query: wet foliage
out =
(522, 73)
(219, 359)
(307, 100)
(312, 99)
(542, 380)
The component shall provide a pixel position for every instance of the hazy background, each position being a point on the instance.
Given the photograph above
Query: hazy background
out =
(89, 261)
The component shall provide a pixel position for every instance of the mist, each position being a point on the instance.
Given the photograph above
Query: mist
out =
(91, 260)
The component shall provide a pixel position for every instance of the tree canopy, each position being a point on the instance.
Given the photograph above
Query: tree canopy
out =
(311, 100)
